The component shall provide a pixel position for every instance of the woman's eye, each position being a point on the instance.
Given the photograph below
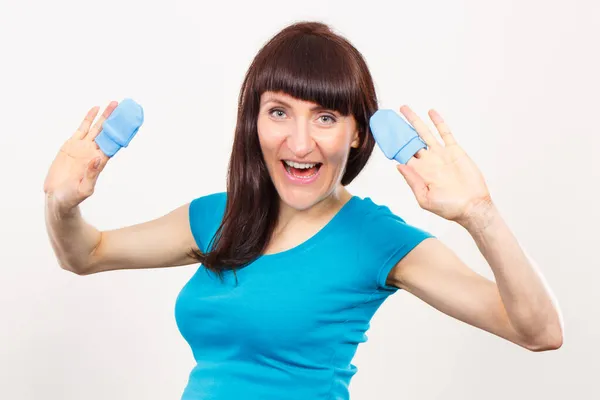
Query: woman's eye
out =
(328, 119)
(277, 113)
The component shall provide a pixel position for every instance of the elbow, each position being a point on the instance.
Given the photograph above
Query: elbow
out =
(76, 268)
(551, 340)
(545, 346)
(82, 265)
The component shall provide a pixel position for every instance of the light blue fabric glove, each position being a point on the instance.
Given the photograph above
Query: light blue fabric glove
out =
(120, 127)
(396, 138)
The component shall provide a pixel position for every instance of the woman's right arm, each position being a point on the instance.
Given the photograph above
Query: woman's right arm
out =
(82, 249)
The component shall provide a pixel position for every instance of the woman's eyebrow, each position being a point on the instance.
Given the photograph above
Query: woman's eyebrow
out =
(283, 103)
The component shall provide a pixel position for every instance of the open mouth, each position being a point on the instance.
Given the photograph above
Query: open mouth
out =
(301, 170)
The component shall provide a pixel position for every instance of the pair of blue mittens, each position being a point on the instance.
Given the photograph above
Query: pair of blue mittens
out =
(120, 127)
(397, 139)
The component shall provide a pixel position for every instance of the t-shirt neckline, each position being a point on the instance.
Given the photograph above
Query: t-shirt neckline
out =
(314, 238)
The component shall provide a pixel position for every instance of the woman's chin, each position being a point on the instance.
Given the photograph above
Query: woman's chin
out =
(299, 199)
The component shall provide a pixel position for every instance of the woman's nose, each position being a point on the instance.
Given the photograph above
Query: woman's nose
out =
(300, 141)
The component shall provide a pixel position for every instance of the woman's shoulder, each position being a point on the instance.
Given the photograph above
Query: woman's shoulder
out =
(208, 206)
(211, 200)
(378, 220)
(212, 197)
(205, 215)
(370, 209)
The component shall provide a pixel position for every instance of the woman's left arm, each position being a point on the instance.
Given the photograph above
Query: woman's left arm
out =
(518, 306)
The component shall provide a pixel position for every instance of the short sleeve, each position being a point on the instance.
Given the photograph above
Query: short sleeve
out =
(386, 239)
(205, 216)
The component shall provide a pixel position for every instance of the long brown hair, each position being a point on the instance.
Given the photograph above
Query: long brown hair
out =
(308, 61)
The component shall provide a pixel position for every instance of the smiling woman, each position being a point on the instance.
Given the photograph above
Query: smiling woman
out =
(302, 264)
(294, 266)
(306, 98)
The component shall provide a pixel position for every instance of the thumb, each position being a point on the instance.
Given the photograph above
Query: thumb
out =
(415, 181)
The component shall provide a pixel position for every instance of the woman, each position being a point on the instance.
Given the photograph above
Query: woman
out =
(293, 265)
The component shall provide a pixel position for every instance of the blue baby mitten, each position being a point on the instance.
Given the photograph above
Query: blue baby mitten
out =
(396, 138)
(120, 127)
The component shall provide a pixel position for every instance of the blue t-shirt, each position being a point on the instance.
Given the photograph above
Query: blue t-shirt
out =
(291, 326)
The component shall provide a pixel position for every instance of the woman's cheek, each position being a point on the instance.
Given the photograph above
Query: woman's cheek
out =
(271, 136)
(338, 151)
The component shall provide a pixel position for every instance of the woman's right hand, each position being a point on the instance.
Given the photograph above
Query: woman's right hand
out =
(73, 174)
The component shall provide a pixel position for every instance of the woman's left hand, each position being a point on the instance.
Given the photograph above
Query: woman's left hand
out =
(443, 177)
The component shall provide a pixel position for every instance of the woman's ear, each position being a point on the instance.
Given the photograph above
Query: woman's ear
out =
(355, 141)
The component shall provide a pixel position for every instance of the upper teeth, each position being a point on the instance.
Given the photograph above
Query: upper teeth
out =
(299, 165)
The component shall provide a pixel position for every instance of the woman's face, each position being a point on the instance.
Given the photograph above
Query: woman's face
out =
(304, 146)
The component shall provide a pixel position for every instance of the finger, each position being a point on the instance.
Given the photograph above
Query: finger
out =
(442, 128)
(419, 126)
(95, 130)
(86, 123)
(422, 167)
(420, 154)
(415, 181)
(103, 160)
(87, 184)
(416, 160)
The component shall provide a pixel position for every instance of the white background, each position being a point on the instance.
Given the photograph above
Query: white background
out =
(517, 82)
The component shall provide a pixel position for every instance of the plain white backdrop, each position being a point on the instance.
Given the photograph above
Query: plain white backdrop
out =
(517, 81)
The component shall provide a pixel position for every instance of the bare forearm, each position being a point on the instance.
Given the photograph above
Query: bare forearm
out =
(72, 238)
(528, 300)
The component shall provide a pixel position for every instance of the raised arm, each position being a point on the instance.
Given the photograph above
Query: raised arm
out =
(83, 249)
(518, 306)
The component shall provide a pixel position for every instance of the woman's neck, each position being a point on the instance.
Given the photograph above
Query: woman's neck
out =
(324, 210)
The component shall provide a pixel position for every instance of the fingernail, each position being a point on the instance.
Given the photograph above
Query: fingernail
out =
(97, 163)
